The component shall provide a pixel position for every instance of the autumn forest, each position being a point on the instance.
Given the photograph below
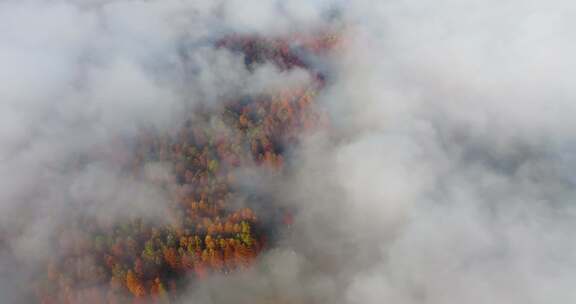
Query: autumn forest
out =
(205, 229)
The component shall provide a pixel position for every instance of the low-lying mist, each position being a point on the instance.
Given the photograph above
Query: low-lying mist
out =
(444, 172)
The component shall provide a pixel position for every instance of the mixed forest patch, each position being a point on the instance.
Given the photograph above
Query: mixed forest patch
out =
(206, 229)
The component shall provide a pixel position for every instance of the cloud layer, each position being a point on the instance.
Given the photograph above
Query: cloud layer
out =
(446, 175)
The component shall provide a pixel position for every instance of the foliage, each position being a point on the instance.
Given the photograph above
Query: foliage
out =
(206, 232)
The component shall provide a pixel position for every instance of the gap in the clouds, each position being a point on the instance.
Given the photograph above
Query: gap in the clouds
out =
(217, 217)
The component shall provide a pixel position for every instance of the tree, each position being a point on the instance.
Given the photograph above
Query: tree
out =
(134, 285)
(158, 292)
(139, 267)
(171, 257)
